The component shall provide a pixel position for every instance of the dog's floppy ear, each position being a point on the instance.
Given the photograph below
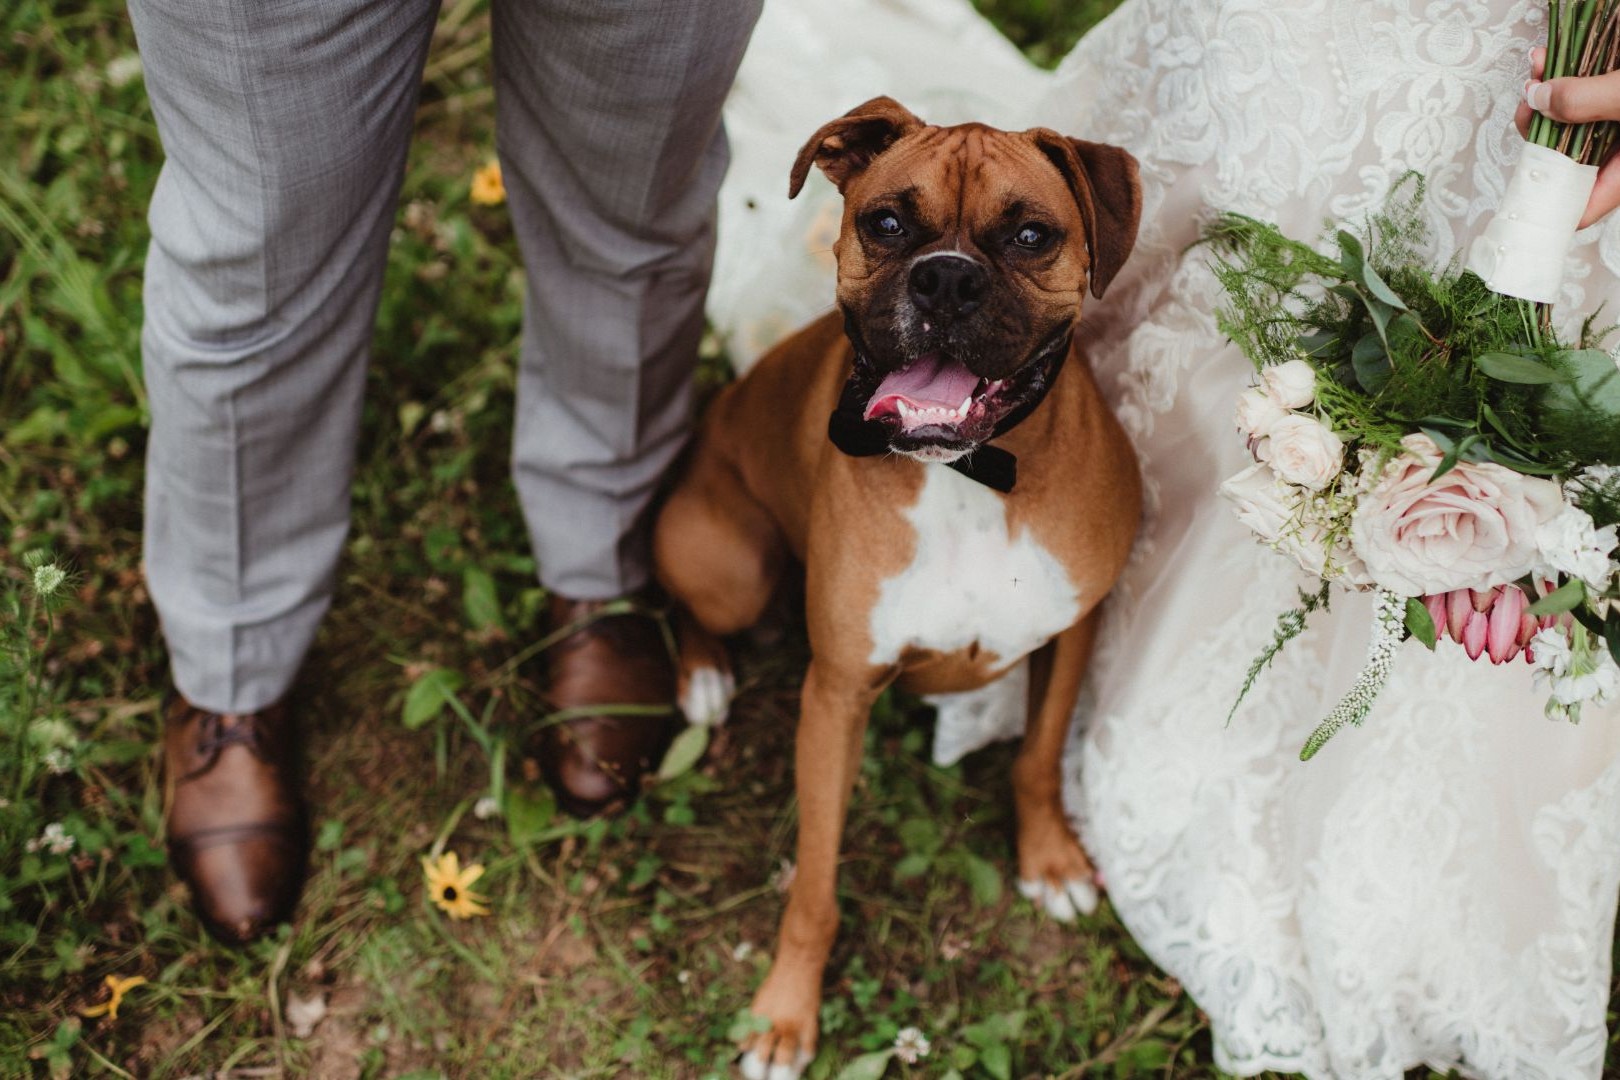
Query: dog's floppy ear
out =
(845, 146)
(1105, 183)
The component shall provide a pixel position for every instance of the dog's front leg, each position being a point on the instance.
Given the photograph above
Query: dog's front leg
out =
(1053, 870)
(832, 726)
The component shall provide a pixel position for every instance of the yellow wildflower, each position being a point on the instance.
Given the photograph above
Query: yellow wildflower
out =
(450, 886)
(487, 187)
(116, 989)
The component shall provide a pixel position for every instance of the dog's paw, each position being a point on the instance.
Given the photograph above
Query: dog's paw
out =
(1062, 901)
(754, 1066)
(706, 697)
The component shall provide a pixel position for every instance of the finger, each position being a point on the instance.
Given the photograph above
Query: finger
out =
(1521, 119)
(1576, 101)
(1605, 193)
(1538, 61)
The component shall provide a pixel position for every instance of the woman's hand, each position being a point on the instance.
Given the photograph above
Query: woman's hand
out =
(1576, 101)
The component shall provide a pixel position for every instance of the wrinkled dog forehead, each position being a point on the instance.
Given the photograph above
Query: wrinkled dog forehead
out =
(969, 174)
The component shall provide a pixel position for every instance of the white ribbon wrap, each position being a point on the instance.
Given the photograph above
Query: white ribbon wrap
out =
(1522, 251)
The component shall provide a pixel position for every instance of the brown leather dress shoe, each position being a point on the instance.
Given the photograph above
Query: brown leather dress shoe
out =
(238, 830)
(624, 663)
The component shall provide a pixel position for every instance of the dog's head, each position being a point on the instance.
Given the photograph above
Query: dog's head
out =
(963, 262)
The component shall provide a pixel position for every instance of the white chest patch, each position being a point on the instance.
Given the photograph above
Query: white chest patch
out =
(969, 580)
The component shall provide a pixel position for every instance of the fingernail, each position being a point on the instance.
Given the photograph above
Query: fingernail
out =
(1536, 95)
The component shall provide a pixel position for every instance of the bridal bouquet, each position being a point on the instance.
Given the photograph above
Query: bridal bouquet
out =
(1425, 434)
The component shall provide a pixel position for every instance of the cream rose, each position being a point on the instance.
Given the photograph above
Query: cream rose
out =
(1304, 452)
(1292, 385)
(1257, 414)
(1274, 511)
(1473, 528)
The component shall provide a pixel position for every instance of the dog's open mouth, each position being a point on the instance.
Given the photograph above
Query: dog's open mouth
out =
(935, 392)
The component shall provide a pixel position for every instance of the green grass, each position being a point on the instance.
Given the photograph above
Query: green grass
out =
(616, 948)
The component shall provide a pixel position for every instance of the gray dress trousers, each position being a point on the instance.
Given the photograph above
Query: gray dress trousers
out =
(285, 124)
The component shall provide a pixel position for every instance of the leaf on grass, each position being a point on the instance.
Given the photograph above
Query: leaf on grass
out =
(684, 752)
(1420, 622)
(921, 835)
(997, 1061)
(482, 602)
(1508, 368)
(867, 1066)
(528, 812)
(1566, 597)
(429, 694)
(982, 877)
(911, 866)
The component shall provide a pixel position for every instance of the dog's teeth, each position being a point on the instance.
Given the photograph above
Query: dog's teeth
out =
(967, 403)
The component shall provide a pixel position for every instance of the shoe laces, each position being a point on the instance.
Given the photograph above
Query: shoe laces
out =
(214, 736)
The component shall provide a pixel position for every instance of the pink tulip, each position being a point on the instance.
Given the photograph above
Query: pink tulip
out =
(1436, 603)
(1502, 638)
(1493, 621)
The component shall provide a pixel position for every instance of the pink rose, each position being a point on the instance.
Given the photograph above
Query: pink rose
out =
(1473, 528)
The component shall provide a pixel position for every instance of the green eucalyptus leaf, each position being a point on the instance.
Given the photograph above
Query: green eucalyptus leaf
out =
(1370, 359)
(1420, 622)
(1505, 367)
(1593, 385)
(1449, 462)
(1566, 597)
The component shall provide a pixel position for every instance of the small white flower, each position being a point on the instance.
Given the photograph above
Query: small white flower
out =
(782, 879)
(1575, 670)
(58, 761)
(1292, 385)
(683, 977)
(124, 70)
(1257, 414)
(1571, 544)
(911, 1045)
(48, 577)
(1305, 452)
(742, 951)
(1550, 648)
(55, 839)
(486, 807)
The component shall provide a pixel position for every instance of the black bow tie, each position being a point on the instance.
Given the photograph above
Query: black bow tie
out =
(991, 466)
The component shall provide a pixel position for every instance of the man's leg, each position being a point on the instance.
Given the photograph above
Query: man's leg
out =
(285, 128)
(608, 118)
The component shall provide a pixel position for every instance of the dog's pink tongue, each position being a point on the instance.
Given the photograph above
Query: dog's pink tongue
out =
(928, 381)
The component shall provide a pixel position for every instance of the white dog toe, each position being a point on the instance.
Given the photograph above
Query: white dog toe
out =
(753, 1067)
(1063, 903)
(708, 696)
(1083, 894)
(786, 1072)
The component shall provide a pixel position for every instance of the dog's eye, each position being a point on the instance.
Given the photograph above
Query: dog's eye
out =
(885, 223)
(1032, 236)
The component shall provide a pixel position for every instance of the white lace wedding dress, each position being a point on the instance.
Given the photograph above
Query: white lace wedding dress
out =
(1437, 887)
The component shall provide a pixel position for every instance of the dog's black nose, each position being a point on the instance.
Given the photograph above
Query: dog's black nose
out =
(948, 285)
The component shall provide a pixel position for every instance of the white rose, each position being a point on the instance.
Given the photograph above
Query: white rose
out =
(1257, 413)
(1292, 385)
(1473, 528)
(1304, 452)
(1571, 544)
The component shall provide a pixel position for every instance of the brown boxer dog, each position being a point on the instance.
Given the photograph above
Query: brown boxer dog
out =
(969, 502)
